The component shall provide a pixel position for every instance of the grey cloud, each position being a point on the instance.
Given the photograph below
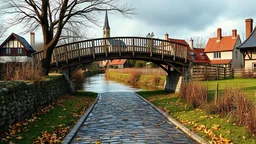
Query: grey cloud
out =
(193, 14)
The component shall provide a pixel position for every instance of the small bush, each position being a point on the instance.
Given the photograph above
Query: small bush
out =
(194, 93)
(251, 120)
(248, 73)
(156, 80)
(134, 78)
(23, 71)
(79, 78)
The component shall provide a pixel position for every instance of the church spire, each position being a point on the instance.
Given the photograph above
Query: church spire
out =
(106, 28)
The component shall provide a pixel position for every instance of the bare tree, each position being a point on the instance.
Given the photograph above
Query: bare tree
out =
(72, 34)
(199, 42)
(52, 16)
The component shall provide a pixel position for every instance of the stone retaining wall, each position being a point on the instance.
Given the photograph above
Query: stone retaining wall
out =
(19, 100)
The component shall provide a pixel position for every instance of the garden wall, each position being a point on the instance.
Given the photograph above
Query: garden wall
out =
(18, 100)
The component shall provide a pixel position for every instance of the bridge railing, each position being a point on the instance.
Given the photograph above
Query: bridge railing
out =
(115, 45)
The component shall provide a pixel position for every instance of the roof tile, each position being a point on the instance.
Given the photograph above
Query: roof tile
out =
(227, 43)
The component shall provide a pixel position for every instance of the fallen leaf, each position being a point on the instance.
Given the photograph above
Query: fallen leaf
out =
(19, 138)
(78, 139)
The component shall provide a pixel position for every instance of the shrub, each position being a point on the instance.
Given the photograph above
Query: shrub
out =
(23, 71)
(251, 120)
(194, 93)
(156, 80)
(140, 64)
(79, 78)
(248, 73)
(134, 77)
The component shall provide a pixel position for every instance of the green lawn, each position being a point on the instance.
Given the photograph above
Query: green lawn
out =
(249, 85)
(193, 118)
(56, 118)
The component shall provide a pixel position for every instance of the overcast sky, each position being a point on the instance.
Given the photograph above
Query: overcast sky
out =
(181, 19)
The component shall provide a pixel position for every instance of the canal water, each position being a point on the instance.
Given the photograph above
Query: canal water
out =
(99, 84)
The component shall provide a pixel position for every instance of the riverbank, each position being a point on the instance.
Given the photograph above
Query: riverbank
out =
(136, 78)
(52, 123)
(212, 127)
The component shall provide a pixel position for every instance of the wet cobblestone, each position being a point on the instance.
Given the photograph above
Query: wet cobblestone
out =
(125, 118)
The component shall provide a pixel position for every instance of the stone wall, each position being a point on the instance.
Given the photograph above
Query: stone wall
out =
(19, 100)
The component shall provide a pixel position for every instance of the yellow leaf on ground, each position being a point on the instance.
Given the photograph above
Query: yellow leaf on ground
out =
(19, 138)
(78, 139)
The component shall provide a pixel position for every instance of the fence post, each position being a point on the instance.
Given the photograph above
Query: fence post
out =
(232, 73)
(216, 93)
(217, 72)
(225, 72)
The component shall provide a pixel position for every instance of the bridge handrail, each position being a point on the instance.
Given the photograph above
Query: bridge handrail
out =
(118, 45)
(111, 38)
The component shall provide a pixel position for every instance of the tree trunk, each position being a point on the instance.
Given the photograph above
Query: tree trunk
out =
(47, 61)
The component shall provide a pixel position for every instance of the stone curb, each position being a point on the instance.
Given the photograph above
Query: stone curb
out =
(191, 134)
(74, 130)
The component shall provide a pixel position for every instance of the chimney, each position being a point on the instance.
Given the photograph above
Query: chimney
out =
(191, 44)
(248, 26)
(32, 40)
(219, 34)
(234, 33)
(166, 36)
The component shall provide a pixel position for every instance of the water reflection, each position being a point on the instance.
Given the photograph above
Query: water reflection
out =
(99, 84)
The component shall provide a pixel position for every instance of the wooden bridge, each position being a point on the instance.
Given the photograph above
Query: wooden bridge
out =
(161, 52)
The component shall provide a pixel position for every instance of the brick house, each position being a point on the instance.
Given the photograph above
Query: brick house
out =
(221, 50)
(16, 49)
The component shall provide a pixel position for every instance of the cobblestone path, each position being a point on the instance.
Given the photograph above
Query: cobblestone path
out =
(125, 118)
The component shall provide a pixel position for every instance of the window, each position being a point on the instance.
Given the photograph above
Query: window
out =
(19, 50)
(8, 51)
(193, 55)
(254, 67)
(236, 54)
(202, 56)
(217, 55)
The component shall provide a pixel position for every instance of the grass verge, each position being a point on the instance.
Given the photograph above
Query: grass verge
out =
(52, 123)
(208, 126)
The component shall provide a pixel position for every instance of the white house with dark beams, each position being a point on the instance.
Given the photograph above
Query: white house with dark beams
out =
(16, 49)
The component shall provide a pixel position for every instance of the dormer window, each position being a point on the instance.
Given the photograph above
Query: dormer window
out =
(193, 55)
(202, 56)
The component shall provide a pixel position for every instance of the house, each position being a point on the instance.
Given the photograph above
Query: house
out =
(248, 47)
(16, 49)
(119, 63)
(196, 55)
(222, 51)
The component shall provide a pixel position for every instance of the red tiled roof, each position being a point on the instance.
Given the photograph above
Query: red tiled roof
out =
(199, 58)
(226, 61)
(227, 43)
(180, 41)
(117, 62)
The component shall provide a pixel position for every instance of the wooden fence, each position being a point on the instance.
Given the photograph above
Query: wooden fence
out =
(208, 72)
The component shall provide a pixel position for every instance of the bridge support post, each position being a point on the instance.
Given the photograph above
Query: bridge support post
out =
(71, 85)
(174, 79)
(173, 82)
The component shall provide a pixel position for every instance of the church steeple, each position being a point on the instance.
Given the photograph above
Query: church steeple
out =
(106, 28)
